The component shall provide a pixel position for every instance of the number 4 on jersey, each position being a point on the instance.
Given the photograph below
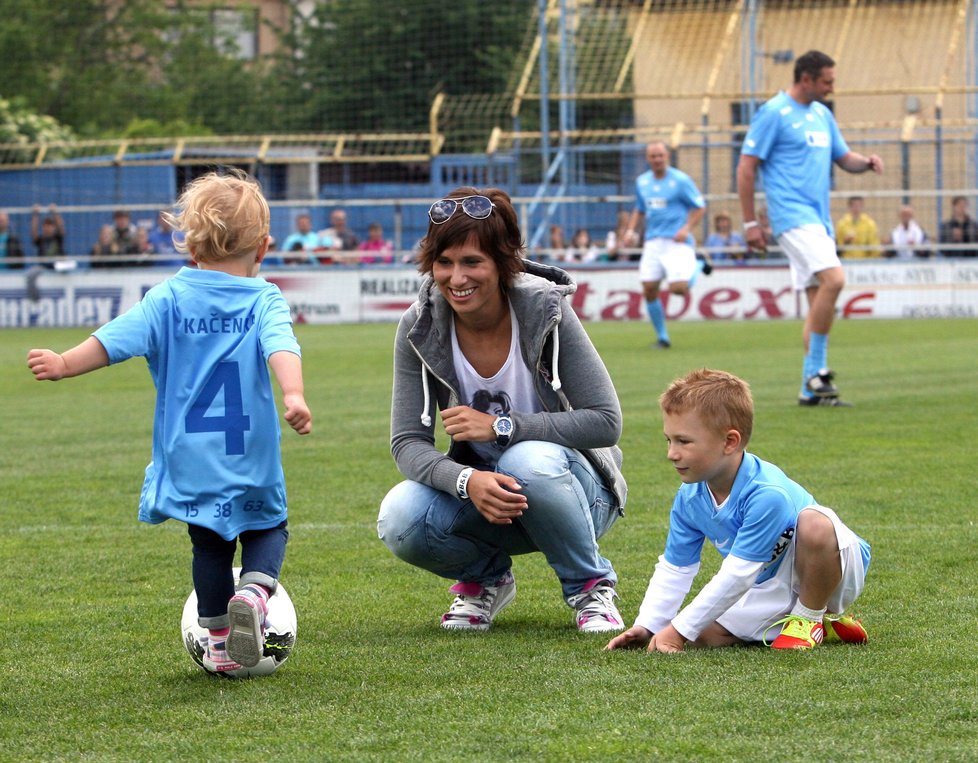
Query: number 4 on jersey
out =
(233, 422)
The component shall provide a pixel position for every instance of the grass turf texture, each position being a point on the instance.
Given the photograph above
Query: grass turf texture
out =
(93, 667)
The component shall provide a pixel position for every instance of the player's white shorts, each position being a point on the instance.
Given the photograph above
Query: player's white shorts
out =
(750, 617)
(809, 249)
(666, 259)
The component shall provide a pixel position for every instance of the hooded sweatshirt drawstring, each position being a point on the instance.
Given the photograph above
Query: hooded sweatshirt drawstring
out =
(555, 384)
(425, 418)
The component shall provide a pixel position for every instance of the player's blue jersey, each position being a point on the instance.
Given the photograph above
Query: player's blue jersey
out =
(666, 202)
(207, 336)
(797, 145)
(756, 522)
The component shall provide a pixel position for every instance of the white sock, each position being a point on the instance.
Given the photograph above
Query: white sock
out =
(801, 610)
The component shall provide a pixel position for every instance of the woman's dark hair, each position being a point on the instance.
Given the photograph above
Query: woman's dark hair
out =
(498, 235)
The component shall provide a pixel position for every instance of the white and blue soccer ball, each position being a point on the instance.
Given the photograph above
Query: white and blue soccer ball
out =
(280, 630)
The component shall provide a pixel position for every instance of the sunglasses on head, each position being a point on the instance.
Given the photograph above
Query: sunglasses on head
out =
(476, 207)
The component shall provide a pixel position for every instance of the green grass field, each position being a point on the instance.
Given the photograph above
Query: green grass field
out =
(93, 667)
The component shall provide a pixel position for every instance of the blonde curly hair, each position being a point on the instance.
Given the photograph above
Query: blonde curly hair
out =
(222, 216)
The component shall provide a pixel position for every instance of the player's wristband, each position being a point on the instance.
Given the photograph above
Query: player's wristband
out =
(461, 484)
(751, 224)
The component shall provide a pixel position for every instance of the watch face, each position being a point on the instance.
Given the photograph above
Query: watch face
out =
(503, 426)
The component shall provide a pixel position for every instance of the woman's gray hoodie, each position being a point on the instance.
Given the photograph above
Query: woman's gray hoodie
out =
(581, 408)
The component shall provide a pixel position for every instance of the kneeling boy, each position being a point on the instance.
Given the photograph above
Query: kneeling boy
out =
(788, 562)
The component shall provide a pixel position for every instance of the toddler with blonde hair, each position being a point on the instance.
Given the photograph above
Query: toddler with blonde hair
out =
(209, 335)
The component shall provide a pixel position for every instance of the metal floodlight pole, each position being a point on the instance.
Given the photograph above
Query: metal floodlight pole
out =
(973, 78)
(749, 56)
(544, 88)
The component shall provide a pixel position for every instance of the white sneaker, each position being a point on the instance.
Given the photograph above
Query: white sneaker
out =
(476, 606)
(596, 610)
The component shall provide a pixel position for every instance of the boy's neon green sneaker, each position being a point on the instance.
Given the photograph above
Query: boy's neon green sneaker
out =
(798, 633)
(843, 629)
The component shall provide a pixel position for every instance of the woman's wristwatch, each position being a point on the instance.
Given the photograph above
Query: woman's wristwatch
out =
(503, 427)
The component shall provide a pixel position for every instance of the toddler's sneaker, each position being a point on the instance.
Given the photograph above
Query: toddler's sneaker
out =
(216, 659)
(844, 629)
(798, 633)
(707, 262)
(246, 639)
(476, 606)
(596, 610)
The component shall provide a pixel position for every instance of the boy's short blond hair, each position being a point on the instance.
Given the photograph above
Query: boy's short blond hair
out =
(723, 401)
(221, 216)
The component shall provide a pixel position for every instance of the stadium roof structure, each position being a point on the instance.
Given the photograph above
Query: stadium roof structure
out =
(612, 72)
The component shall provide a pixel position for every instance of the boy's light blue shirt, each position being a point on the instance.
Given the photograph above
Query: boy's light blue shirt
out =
(756, 522)
(797, 145)
(207, 337)
(666, 202)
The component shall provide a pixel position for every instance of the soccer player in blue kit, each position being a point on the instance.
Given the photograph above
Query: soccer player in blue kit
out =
(789, 564)
(209, 335)
(793, 140)
(672, 206)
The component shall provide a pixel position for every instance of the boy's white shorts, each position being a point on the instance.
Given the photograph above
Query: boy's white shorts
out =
(751, 617)
(666, 259)
(809, 249)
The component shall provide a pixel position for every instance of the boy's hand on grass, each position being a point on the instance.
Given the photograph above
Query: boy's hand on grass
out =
(668, 640)
(635, 637)
(297, 414)
(46, 365)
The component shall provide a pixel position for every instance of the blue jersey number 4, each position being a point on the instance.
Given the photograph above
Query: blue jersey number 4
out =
(233, 422)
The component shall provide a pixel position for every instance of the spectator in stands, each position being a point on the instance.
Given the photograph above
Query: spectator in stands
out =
(959, 229)
(376, 248)
(906, 237)
(48, 234)
(556, 244)
(10, 247)
(617, 240)
(304, 240)
(144, 247)
(342, 237)
(124, 232)
(106, 246)
(856, 229)
(582, 249)
(725, 243)
(161, 238)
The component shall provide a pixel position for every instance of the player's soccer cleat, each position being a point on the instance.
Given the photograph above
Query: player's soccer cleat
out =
(663, 344)
(798, 633)
(595, 608)
(707, 263)
(476, 606)
(246, 642)
(822, 384)
(844, 629)
(216, 659)
(831, 402)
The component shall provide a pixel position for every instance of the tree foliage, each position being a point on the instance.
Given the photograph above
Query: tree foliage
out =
(356, 65)
(108, 67)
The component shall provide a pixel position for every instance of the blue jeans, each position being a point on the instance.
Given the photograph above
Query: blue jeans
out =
(262, 554)
(568, 509)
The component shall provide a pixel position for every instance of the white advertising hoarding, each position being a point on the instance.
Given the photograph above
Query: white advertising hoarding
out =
(940, 289)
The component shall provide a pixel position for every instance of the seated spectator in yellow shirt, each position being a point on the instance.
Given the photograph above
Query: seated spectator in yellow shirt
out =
(856, 229)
